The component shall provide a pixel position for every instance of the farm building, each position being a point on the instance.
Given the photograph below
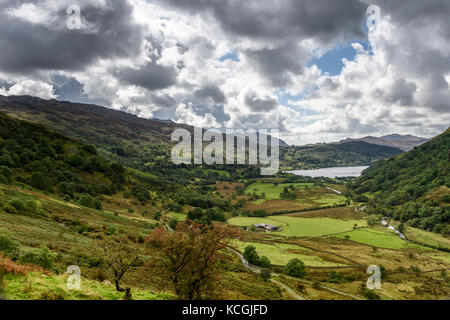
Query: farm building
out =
(267, 227)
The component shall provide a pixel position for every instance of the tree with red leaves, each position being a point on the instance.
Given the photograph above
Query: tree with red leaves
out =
(188, 257)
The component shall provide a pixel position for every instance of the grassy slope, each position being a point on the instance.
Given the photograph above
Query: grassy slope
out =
(378, 238)
(37, 286)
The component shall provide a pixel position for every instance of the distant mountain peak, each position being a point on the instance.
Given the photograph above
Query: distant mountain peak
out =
(408, 137)
(403, 142)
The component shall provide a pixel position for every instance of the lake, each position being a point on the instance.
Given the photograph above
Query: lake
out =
(337, 172)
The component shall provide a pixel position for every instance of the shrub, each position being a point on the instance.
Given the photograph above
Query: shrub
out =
(175, 207)
(10, 209)
(43, 257)
(264, 262)
(335, 277)
(8, 247)
(157, 215)
(6, 172)
(91, 202)
(301, 288)
(316, 285)
(41, 181)
(173, 223)
(265, 274)
(445, 198)
(54, 294)
(295, 268)
(369, 294)
(7, 266)
(18, 204)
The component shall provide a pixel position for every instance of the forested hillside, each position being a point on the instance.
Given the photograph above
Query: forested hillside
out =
(412, 187)
(32, 155)
(142, 144)
(356, 153)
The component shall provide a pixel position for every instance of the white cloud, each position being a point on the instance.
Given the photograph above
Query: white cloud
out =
(402, 85)
(32, 88)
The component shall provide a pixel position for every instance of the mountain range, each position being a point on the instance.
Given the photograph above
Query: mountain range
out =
(144, 143)
(403, 142)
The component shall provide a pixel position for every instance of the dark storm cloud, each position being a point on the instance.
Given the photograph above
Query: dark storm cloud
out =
(27, 47)
(164, 101)
(256, 103)
(212, 92)
(426, 61)
(268, 19)
(418, 11)
(281, 25)
(218, 112)
(151, 76)
(275, 64)
(402, 92)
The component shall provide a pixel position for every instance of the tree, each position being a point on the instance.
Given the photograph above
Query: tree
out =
(173, 223)
(265, 274)
(264, 262)
(295, 268)
(188, 257)
(251, 255)
(118, 256)
(41, 181)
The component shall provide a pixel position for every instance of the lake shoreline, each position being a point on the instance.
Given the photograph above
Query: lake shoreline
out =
(333, 172)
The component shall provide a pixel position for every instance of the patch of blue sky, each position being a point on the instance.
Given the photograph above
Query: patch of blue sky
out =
(284, 98)
(230, 56)
(332, 61)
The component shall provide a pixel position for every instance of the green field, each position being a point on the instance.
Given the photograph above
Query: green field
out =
(427, 238)
(378, 238)
(248, 221)
(281, 253)
(302, 227)
(308, 196)
(273, 192)
(176, 215)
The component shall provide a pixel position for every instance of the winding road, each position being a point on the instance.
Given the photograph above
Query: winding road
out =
(290, 290)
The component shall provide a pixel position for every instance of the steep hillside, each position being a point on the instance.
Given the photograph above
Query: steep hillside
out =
(117, 135)
(32, 155)
(413, 187)
(334, 155)
(143, 144)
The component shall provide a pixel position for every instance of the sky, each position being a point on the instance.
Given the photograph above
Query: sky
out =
(317, 70)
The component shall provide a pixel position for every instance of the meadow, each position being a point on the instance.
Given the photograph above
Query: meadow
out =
(381, 238)
(302, 227)
(309, 196)
(273, 191)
